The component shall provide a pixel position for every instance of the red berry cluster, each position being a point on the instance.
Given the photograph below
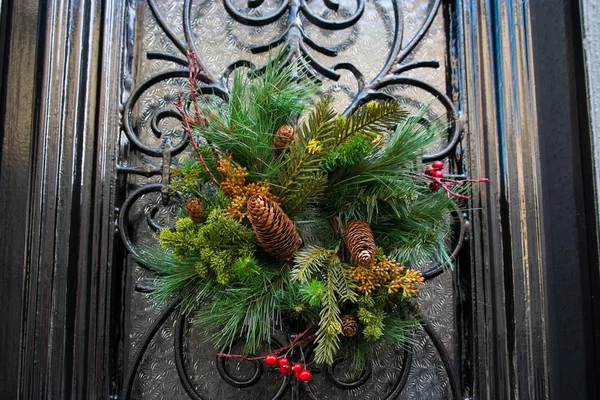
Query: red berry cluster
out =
(285, 368)
(435, 170)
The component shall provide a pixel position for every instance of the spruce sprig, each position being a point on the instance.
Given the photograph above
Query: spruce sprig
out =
(371, 119)
(330, 324)
(300, 179)
(310, 261)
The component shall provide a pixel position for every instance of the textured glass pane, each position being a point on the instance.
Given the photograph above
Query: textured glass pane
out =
(376, 46)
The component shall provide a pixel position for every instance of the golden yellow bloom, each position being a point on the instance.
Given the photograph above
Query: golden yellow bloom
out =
(234, 186)
(334, 328)
(314, 146)
(387, 273)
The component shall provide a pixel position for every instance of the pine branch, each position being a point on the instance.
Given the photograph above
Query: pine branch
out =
(258, 105)
(176, 278)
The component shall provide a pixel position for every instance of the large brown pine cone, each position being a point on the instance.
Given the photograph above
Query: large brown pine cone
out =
(274, 230)
(349, 325)
(360, 242)
(284, 136)
(195, 210)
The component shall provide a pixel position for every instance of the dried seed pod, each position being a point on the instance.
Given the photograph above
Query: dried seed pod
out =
(274, 230)
(349, 325)
(283, 137)
(360, 242)
(195, 210)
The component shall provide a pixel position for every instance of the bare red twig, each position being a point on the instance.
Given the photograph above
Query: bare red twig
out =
(297, 339)
(188, 131)
(446, 183)
(193, 75)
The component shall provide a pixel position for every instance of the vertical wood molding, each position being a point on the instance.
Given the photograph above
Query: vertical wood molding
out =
(569, 213)
(507, 276)
(21, 54)
(60, 132)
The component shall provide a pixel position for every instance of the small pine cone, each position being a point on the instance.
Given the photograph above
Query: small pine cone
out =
(360, 241)
(349, 325)
(274, 230)
(284, 136)
(195, 210)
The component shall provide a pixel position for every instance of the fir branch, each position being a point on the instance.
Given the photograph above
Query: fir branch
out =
(372, 119)
(309, 261)
(343, 282)
(330, 325)
(300, 169)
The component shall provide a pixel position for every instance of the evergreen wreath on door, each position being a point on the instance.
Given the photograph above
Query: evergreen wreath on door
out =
(300, 219)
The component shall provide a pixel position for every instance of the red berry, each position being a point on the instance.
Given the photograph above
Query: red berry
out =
(437, 174)
(434, 186)
(305, 375)
(297, 368)
(283, 361)
(297, 375)
(429, 170)
(271, 360)
(285, 369)
(437, 165)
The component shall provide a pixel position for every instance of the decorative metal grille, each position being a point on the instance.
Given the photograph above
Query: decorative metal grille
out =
(361, 50)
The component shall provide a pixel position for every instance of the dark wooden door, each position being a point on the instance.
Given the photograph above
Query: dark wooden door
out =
(89, 136)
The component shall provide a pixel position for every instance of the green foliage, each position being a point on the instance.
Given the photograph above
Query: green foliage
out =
(250, 310)
(398, 331)
(253, 310)
(258, 105)
(420, 232)
(348, 153)
(371, 119)
(176, 278)
(246, 268)
(383, 176)
(300, 180)
(310, 261)
(372, 319)
(216, 244)
(313, 292)
(183, 240)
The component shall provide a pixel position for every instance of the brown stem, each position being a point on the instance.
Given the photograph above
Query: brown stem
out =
(188, 131)
(298, 339)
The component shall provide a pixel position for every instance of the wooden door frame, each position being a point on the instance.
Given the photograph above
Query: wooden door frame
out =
(527, 283)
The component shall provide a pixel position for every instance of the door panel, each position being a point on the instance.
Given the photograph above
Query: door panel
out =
(361, 50)
(76, 178)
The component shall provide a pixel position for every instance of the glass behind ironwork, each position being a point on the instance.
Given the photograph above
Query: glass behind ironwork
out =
(169, 358)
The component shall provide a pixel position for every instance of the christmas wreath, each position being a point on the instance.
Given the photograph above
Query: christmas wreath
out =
(297, 217)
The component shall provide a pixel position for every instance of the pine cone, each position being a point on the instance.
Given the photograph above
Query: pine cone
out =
(284, 136)
(360, 241)
(195, 210)
(274, 230)
(349, 325)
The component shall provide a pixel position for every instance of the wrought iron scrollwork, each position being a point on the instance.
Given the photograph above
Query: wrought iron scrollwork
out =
(296, 42)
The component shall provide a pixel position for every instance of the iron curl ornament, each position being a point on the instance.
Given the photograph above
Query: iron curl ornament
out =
(297, 47)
